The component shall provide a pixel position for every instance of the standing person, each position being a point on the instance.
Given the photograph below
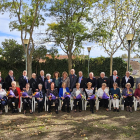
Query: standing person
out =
(127, 79)
(33, 83)
(2, 81)
(93, 80)
(82, 80)
(114, 79)
(65, 79)
(137, 82)
(9, 79)
(48, 81)
(23, 80)
(57, 80)
(41, 79)
(73, 79)
(102, 79)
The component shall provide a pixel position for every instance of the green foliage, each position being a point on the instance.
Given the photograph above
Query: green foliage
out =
(53, 52)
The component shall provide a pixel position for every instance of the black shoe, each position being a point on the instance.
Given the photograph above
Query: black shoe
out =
(63, 110)
(38, 111)
(31, 112)
(92, 111)
(68, 111)
(117, 110)
(49, 111)
(13, 111)
(56, 112)
(16, 111)
(80, 110)
(114, 110)
(24, 113)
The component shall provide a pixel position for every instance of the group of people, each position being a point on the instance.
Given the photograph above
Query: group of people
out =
(66, 87)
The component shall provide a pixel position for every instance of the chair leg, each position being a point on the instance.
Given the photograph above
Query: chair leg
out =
(32, 105)
(6, 109)
(82, 105)
(110, 102)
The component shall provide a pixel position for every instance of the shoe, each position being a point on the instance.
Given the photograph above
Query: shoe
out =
(49, 111)
(38, 111)
(114, 110)
(68, 111)
(13, 111)
(1, 113)
(24, 112)
(92, 111)
(118, 110)
(16, 111)
(127, 109)
(75, 110)
(56, 112)
(80, 110)
(31, 112)
(131, 109)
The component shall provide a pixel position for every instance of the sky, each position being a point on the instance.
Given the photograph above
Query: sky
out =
(5, 33)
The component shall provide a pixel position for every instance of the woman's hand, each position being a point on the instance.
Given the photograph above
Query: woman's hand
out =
(137, 97)
(110, 96)
(17, 97)
(56, 97)
(100, 97)
(30, 97)
(92, 88)
(88, 98)
(24, 88)
(63, 98)
(124, 96)
(38, 98)
(130, 95)
(74, 97)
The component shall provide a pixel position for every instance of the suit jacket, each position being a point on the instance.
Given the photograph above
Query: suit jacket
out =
(73, 79)
(61, 91)
(111, 81)
(137, 81)
(22, 82)
(102, 80)
(40, 81)
(8, 82)
(74, 92)
(83, 82)
(33, 84)
(130, 80)
(2, 82)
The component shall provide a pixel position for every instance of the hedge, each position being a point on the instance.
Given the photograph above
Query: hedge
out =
(97, 65)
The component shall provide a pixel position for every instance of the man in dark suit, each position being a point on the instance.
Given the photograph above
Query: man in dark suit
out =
(82, 80)
(23, 80)
(114, 79)
(41, 79)
(102, 79)
(33, 83)
(73, 79)
(127, 79)
(2, 81)
(9, 79)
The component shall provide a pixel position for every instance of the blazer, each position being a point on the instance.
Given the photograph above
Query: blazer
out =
(40, 81)
(22, 82)
(33, 84)
(130, 80)
(137, 81)
(67, 81)
(8, 82)
(111, 81)
(73, 93)
(59, 81)
(102, 80)
(73, 79)
(61, 91)
(83, 82)
(2, 82)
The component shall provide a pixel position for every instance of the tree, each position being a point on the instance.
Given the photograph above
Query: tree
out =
(124, 56)
(69, 29)
(53, 52)
(28, 17)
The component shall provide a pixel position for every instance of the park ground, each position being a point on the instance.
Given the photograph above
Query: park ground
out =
(73, 126)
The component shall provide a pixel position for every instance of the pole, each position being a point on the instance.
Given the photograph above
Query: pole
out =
(129, 41)
(26, 56)
(88, 61)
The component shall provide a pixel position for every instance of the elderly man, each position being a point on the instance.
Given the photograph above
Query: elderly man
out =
(127, 79)
(73, 79)
(9, 79)
(33, 82)
(102, 79)
(41, 79)
(23, 80)
(114, 79)
(82, 80)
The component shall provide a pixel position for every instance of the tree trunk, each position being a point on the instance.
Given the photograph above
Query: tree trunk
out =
(29, 65)
(111, 62)
(69, 62)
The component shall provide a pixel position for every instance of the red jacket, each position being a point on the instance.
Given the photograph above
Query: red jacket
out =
(137, 92)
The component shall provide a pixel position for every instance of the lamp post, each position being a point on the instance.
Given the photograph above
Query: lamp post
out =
(26, 41)
(129, 38)
(88, 48)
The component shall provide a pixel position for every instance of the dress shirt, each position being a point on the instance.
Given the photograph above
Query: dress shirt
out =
(12, 78)
(42, 78)
(80, 78)
(114, 78)
(126, 78)
(77, 92)
(64, 91)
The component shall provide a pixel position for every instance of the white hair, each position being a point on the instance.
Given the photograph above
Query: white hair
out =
(81, 72)
(10, 70)
(102, 73)
(13, 82)
(48, 75)
(128, 71)
(73, 70)
(25, 71)
(41, 71)
(39, 85)
(115, 71)
(91, 73)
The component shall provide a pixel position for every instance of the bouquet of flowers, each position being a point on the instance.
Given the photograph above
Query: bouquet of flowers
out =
(128, 93)
(36, 95)
(105, 96)
(115, 96)
(93, 97)
(80, 96)
(67, 94)
(24, 94)
(52, 97)
(9, 93)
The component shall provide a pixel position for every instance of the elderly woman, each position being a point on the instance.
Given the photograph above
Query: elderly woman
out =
(65, 79)
(127, 94)
(15, 98)
(102, 93)
(57, 80)
(41, 98)
(3, 98)
(115, 96)
(137, 93)
(89, 93)
(53, 91)
(48, 81)
(66, 100)
(28, 99)
(76, 91)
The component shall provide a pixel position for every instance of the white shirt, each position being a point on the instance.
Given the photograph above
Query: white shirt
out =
(114, 78)
(77, 92)
(89, 92)
(64, 90)
(2, 93)
(100, 92)
(126, 78)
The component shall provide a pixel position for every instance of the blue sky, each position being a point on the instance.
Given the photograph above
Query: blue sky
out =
(5, 33)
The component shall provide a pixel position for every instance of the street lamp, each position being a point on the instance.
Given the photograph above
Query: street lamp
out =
(88, 48)
(129, 38)
(26, 41)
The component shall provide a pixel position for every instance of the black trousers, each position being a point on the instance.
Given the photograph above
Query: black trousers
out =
(26, 102)
(66, 101)
(80, 104)
(104, 103)
(15, 100)
(92, 103)
(50, 102)
(40, 104)
(129, 101)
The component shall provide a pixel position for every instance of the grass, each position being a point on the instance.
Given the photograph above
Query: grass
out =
(76, 126)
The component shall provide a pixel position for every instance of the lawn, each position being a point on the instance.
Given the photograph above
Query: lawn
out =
(73, 126)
